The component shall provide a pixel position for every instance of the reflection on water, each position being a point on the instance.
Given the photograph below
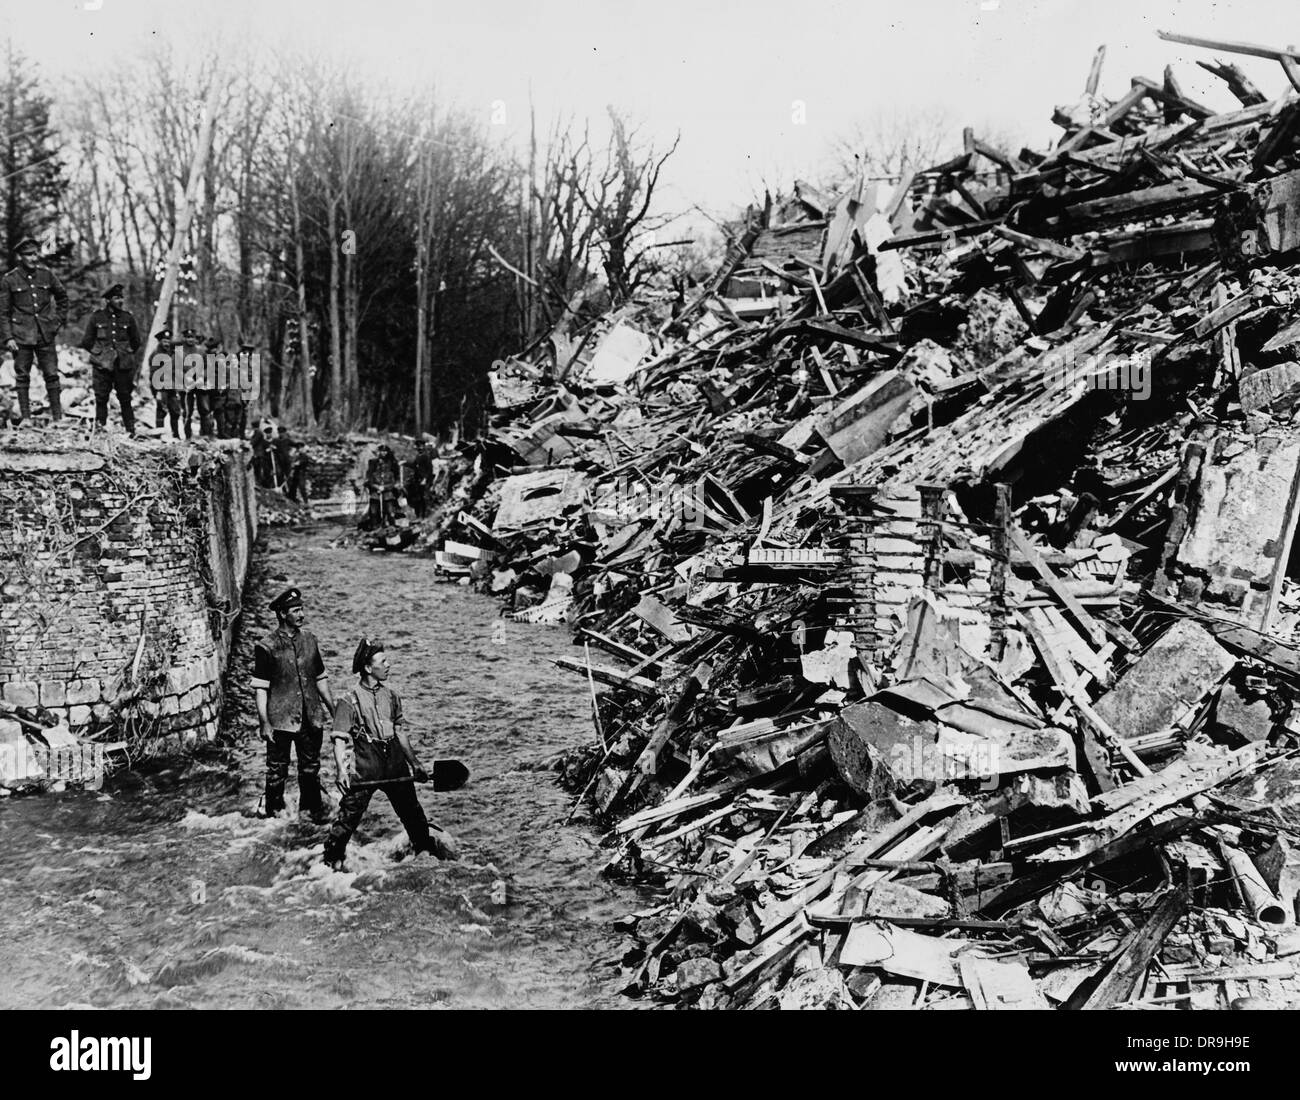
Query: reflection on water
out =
(163, 890)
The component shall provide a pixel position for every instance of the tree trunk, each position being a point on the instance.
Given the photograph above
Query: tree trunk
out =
(421, 325)
(182, 225)
(338, 393)
(351, 313)
(304, 334)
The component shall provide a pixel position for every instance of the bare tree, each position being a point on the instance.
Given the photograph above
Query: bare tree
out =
(889, 144)
(618, 203)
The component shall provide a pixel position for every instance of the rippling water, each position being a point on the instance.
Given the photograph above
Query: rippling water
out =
(163, 890)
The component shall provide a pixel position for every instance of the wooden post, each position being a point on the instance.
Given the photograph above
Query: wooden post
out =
(1001, 566)
(933, 506)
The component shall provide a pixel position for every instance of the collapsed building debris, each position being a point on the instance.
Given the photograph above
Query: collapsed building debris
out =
(933, 571)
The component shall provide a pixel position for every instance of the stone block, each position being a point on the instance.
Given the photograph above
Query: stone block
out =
(54, 693)
(21, 693)
(181, 680)
(1166, 682)
(79, 716)
(85, 692)
(866, 739)
(1251, 720)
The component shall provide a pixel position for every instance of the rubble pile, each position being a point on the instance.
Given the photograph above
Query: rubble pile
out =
(932, 572)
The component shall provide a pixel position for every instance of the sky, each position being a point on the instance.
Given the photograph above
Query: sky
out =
(759, 90)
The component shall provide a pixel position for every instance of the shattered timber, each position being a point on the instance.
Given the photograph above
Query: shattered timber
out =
(932, 571)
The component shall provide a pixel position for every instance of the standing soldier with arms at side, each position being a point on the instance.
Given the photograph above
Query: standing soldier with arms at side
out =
(113, 340)
(283, 451)
(293, 704)
(33, 307)
(211, 399)
(421, 479)
(168, 394)
(299, 473)
(261, 457)
(226, 396)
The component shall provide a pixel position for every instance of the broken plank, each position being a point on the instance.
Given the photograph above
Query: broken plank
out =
(1121, 977)
(1070, 689)
(610, 676)
(1195, 779)
(613, 645)
(1054, 585)
(647, 763)
(1231, 47)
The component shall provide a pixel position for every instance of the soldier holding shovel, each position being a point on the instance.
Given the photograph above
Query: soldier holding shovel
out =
(373, 752)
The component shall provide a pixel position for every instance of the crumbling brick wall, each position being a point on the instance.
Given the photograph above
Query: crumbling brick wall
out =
(121, 576)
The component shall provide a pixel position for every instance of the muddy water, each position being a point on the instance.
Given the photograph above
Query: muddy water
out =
(164, 891)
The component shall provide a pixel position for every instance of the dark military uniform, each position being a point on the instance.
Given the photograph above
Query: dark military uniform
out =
(112, 339)
(283, 451)
(288, 665)
(168, 398)
(33, 307)
(299, 467)
(421, 480)
(261, 458)
(198, 386)
(225, 392)
(382, 481)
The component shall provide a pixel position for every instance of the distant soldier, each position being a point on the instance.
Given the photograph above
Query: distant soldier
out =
(283, 459)
(210, 392)
(261, 457)
(421, 479)
(33, 307)
(189, 343)
(299, 471)
(113, 340)
(382, 481)
(167, 397)
(226, 401)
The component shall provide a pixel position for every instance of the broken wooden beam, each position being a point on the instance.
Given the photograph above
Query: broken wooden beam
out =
(1121, 976)
(612, 677)
(1071, 603)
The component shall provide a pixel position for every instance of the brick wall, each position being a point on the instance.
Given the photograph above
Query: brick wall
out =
(120, 578)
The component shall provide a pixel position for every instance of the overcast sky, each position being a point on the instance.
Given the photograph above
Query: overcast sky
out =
(725, 74)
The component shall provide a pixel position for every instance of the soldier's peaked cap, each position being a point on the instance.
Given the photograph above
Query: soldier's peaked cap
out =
(163, 334)
(290, 597)
(27, 244)
(115, 291)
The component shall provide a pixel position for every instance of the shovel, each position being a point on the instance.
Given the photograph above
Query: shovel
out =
(446, 775)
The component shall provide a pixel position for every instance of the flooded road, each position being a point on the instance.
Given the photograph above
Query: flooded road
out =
(164, 891)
